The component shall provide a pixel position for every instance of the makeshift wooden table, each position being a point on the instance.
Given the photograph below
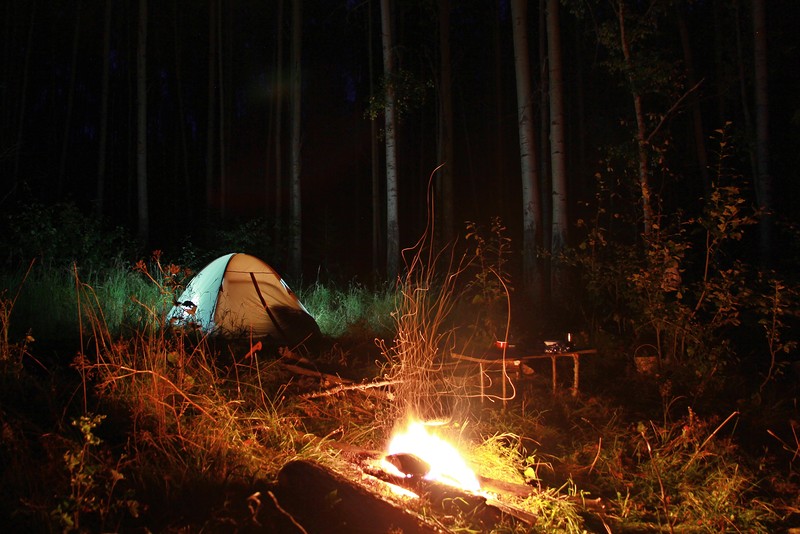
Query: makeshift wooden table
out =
(515, 360)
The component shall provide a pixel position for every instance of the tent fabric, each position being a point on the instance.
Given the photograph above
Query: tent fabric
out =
(238, 295)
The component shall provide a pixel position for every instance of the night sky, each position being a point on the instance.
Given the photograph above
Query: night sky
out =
(50, 109)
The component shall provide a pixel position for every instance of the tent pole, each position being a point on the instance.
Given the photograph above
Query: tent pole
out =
(266, 306)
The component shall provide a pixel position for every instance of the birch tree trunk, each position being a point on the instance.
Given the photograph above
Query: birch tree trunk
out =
(531, 201)
(641, 127)
(143, 216)
(392, 221)
(558, 157)
(764, 194)
(295, 251)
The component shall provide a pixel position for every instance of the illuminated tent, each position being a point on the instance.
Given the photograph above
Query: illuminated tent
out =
(238, 296)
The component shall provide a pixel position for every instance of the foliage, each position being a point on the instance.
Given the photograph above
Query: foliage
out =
(685, 288)
(59, 235)
(94, 477)
(491, 285)
(252, 236)
(410, 93)
(684, 474)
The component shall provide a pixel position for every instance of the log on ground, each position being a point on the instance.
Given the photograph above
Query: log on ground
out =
(324, 501)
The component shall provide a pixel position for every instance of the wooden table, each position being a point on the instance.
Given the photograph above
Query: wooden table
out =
(515, 360)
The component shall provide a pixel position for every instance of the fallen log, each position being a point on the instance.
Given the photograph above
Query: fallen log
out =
(324, 501)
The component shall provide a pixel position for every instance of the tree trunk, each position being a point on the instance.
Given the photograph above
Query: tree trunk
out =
(641, 127)
(62, 167)
(23, 100)
(764, 194)
(499, 109)
(184, 152)
(558, 156)
(445, 125)
(223, 163)
(374, 156)
(212, 105)
(531, 200)
(143, 216)
(296, 226)
(743, 82)
(694, 103)
(278, 128)
(545, 182)
(355, 508)
(392, 222)
(99, 205)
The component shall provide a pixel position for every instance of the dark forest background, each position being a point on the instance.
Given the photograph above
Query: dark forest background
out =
(202, 179)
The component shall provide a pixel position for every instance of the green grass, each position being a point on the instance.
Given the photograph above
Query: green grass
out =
(342, 310)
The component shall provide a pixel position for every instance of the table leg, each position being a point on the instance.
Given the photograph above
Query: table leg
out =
(575, 374)
(553, 365)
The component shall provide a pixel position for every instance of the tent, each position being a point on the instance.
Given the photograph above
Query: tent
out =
(238, 296)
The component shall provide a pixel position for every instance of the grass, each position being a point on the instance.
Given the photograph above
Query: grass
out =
(147, 429)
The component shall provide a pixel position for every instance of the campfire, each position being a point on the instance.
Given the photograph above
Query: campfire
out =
(418, 452)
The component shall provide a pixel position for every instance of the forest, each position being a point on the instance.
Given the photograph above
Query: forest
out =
(433, 178)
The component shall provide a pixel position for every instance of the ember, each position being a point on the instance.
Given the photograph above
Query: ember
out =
(445, 463)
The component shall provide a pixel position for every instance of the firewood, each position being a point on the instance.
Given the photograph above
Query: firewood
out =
(324, 501)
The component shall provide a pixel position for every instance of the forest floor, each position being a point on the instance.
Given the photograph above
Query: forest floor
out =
(189, 439)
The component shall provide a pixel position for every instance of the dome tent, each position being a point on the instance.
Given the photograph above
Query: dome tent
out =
(240, 296)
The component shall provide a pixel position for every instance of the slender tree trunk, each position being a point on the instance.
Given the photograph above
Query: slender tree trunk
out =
(23, 99)
(99, 205)
(558, 155)
(445, 124)
(141, 125)
(375, 156)
(184, 153)
(499, 108)
(641, 127)
(531, 200)
(764, 193)
(211, 127)
(295, 252)
(743, 82)
(546, 184)
(223, 138)
(392, 216)
(694, 102)
(279, 79)
(62, 167)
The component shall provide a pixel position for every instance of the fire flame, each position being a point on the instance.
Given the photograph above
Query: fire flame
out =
(446, 463)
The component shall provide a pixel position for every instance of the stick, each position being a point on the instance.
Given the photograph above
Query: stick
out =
(351, 387)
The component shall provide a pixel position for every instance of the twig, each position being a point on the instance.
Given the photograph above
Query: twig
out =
(316, 374)
(672, 109)
(596, 456)
(714, 433)
(350, 387)
(287, 514)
